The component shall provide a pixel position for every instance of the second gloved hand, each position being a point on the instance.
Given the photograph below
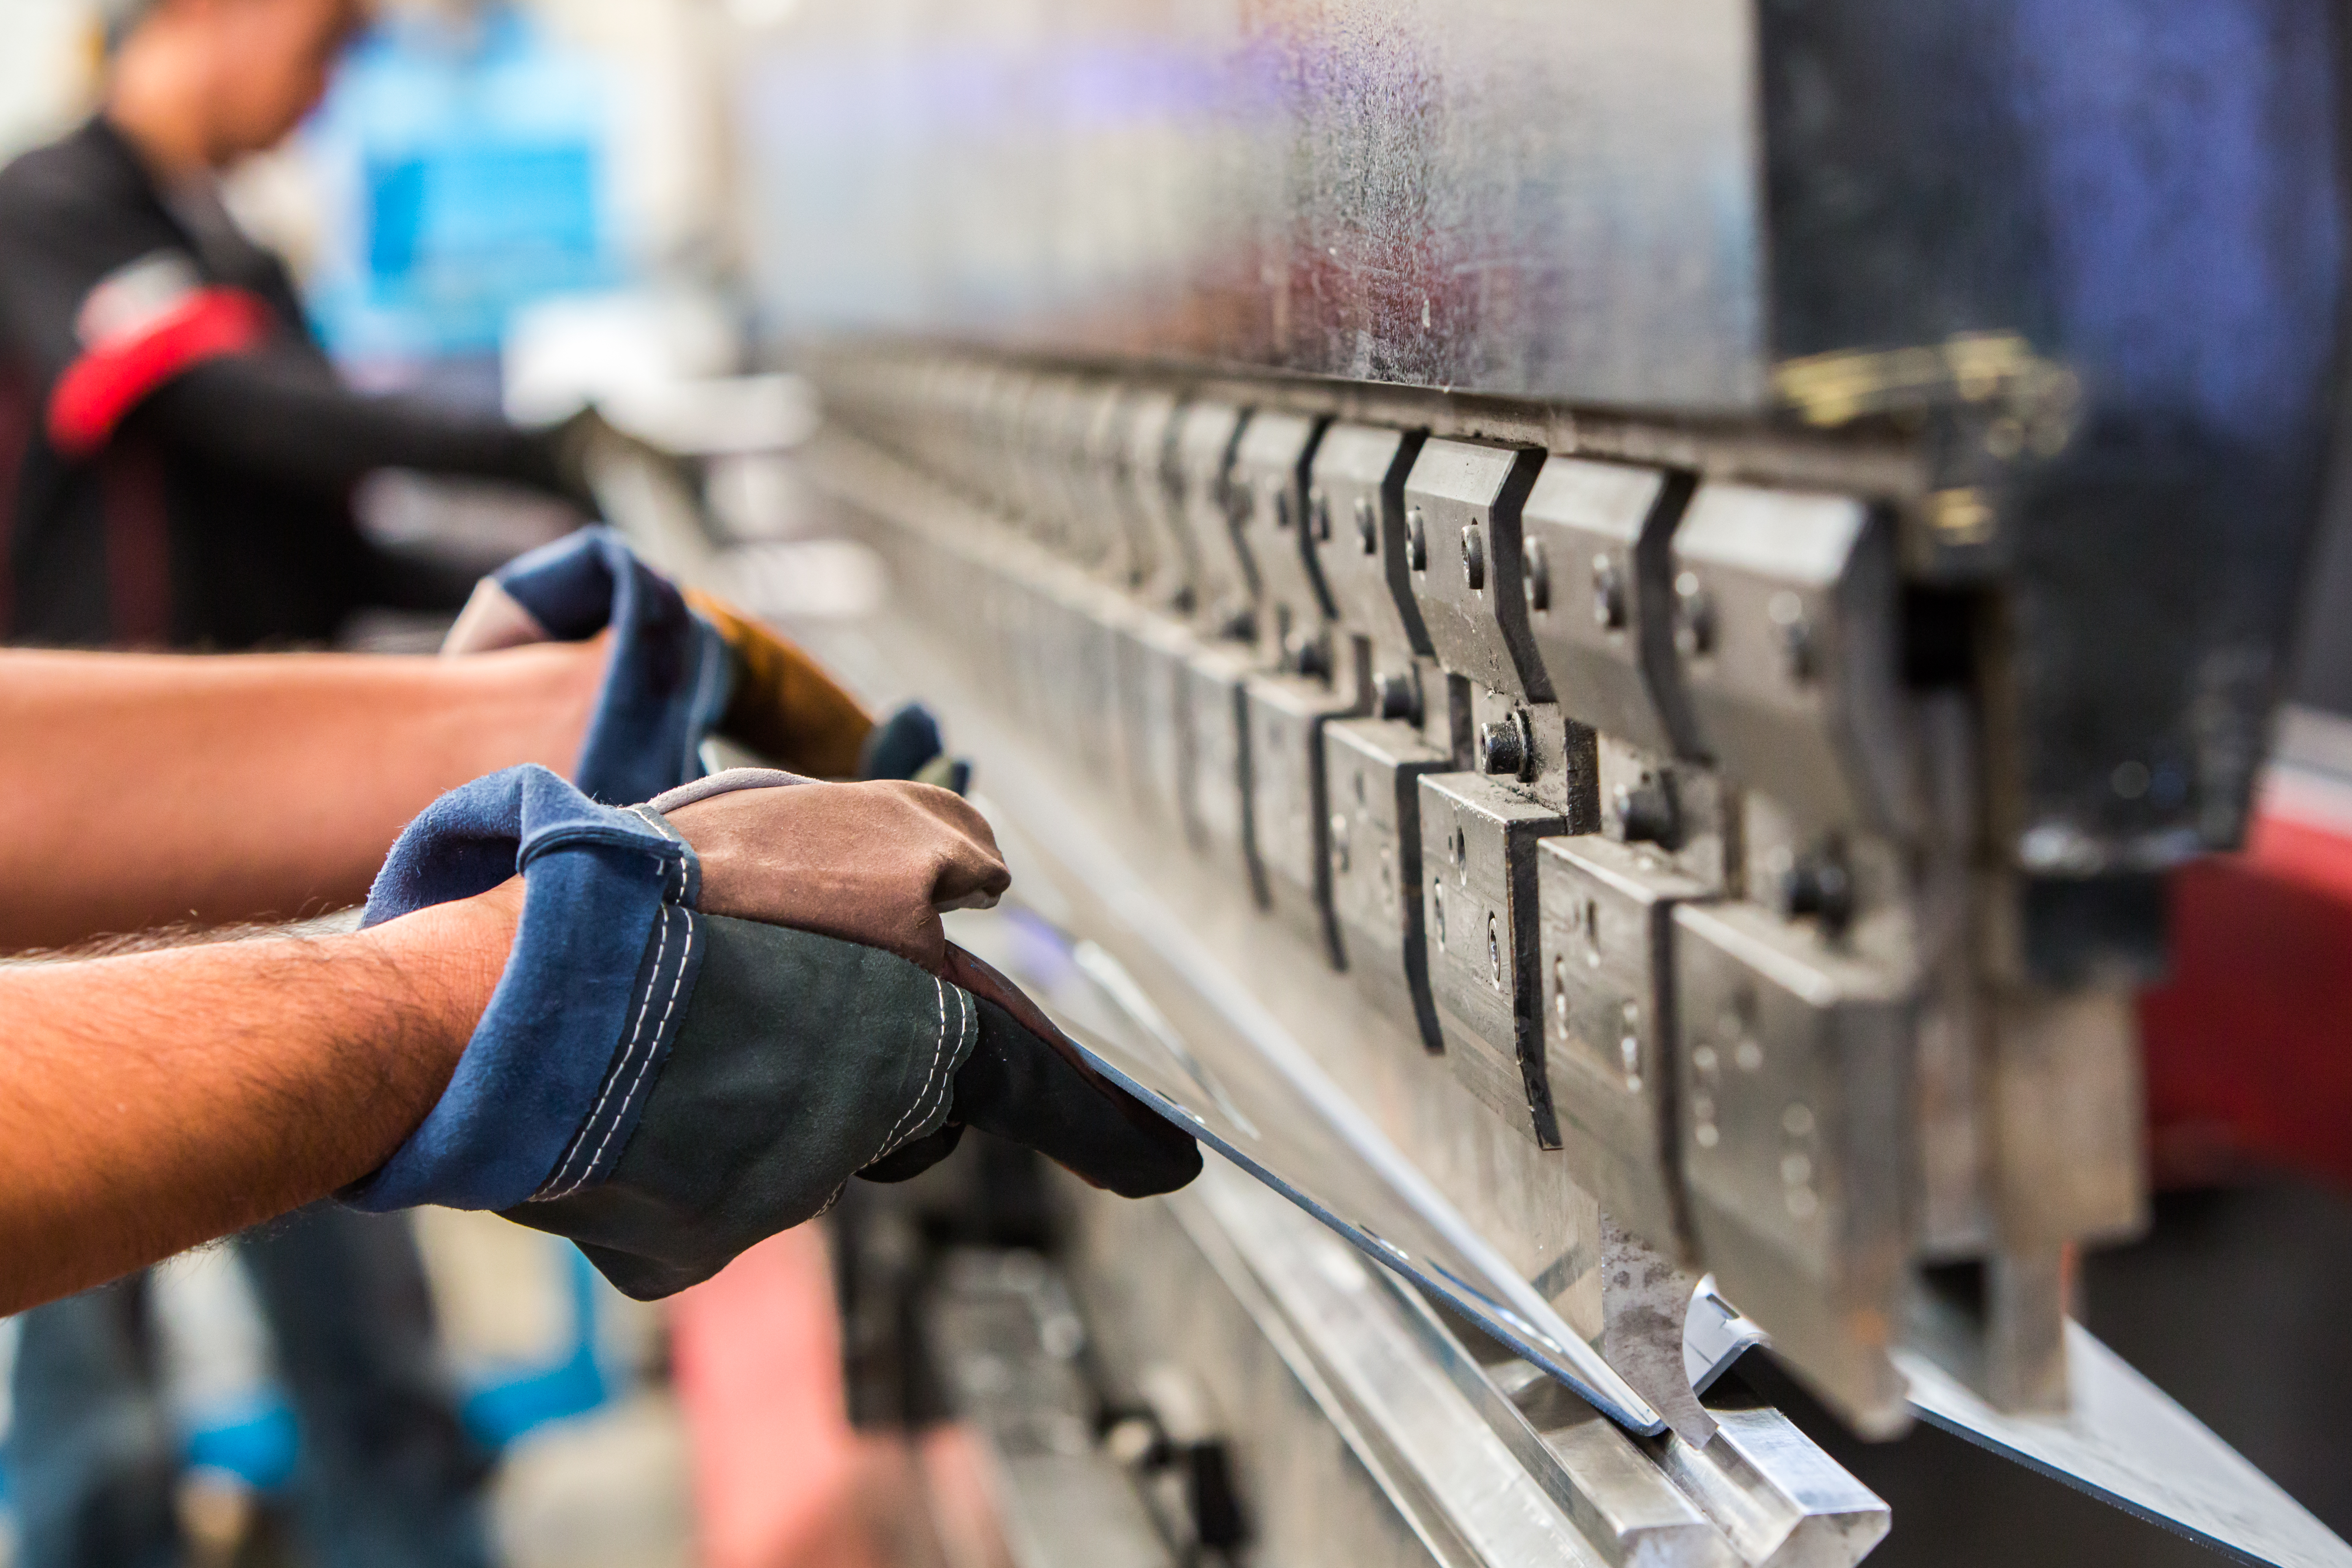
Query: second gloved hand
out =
(721, 1005)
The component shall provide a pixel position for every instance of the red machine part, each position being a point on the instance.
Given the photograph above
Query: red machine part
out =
(2249, 1044)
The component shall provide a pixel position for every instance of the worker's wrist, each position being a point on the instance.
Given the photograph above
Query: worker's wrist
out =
(450, 957)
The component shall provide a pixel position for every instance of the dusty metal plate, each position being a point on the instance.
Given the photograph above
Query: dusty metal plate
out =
(1278, 1116)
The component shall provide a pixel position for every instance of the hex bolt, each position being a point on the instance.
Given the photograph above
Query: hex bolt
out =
(1502, 748)
(1368, 526)
(1474, 557)
(1694, 617)
(1645, 813)
(1608, 594)
(1820, 886)
(1416, 542)
(1394, 695)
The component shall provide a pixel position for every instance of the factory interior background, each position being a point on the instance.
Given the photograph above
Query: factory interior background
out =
(539, 204)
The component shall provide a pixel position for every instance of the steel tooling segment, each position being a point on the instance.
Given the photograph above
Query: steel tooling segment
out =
(1463, 558)
(1786, 628)
(1288, 819)
(1356, 495)
(1605, 1002)
(1479, 923)
(1269, 501)
(1598, 584)
(1372, 770)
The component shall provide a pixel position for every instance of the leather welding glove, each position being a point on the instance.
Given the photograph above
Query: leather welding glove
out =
(684, 665)
(720, 1005)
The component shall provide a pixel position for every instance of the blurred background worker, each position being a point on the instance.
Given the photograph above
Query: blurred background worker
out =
(187, 453)
(184, 461)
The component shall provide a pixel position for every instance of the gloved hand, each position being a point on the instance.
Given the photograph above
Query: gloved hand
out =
(682, 667)
(723, 1004)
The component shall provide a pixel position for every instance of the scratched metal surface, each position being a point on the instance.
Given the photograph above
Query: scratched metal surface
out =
(1531, 197)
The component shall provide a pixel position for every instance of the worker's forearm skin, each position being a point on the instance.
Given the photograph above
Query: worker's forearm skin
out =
(146, 790)
(155, 1100)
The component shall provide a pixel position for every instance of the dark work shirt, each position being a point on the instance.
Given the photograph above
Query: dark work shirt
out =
(177, 454)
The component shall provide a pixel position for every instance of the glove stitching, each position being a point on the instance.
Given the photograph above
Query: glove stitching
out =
(938, 1055)
(645, 1066)
(636, 1032)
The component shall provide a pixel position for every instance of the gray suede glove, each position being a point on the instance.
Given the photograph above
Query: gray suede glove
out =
(830, 1028)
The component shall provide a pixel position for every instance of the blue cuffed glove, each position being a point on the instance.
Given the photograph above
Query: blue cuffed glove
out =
(686, 667)
(607, 945)
(667, 1086)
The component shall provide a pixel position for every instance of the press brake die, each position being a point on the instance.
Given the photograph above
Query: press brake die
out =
(1478, 830)
(1478, 918)
(1372, 770)
(1285, 708)
(1372, 765)
(1606, 1013)
(1796, 1072)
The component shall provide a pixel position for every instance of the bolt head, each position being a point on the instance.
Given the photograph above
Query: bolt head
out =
(1502, 748)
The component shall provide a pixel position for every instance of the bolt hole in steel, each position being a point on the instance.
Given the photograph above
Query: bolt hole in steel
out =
(1319, 512)
(1794, 634)
(1340, 841)
(1694, 617)
(1457, 848)
(1437, 910)
(1608, 594)
(1629, 1047)
(1494, 950)
(1538, 580)
(1588, 920)
(1474, 557)
(1704, 1131)
(1560, 993)
(1416, 542)
(1368, 531)
(1282, 509)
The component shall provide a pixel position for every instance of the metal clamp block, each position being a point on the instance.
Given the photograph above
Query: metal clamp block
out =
(1148, 468)
(1795, 1065)
(1785, 624)
(1598, 584)
(1604, 973)
(1150, 668)
(1213, 778)
(1355, 504)
(1478, 919)
(1463, 555)
(1224, 586)
(1372, 770)
(1289, 824)
(1269, 491)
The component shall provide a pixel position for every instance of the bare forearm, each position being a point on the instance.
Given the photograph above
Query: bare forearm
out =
(153, 1101)
(146, 789)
